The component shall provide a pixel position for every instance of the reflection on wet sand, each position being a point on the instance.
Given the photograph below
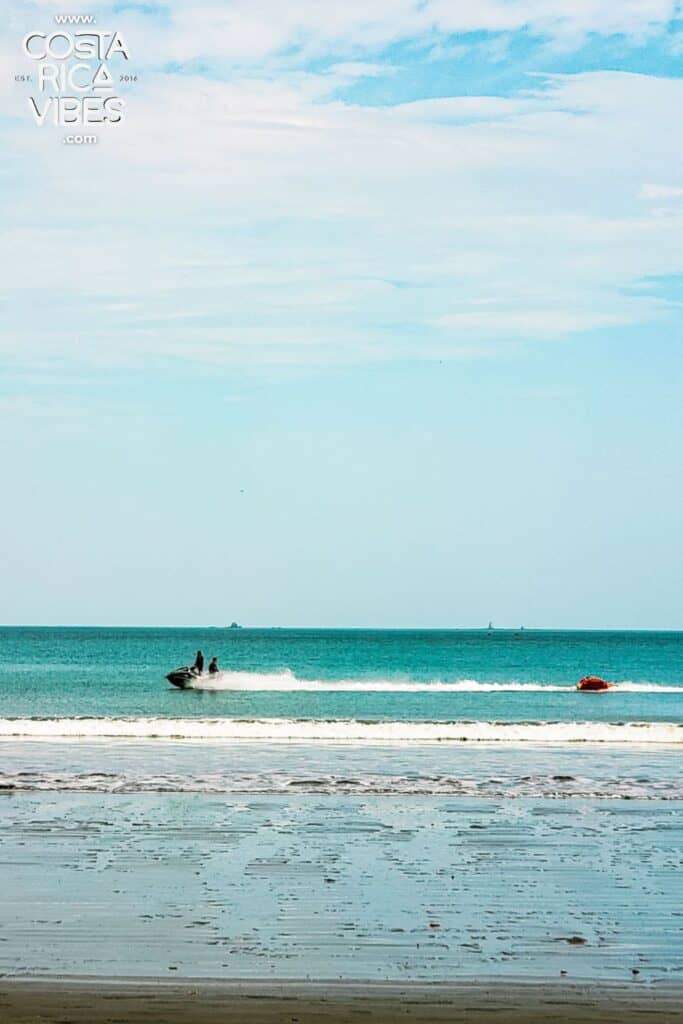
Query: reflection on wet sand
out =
(341, 887)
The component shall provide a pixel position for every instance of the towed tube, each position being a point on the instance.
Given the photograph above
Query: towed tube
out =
(593, 684)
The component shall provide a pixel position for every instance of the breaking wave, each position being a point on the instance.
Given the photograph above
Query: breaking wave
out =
(283, 730)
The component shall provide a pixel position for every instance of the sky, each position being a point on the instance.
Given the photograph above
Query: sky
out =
(366, 314)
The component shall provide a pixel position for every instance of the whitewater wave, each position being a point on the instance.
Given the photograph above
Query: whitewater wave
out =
(511, 786)
(283, 730)
(286, 681)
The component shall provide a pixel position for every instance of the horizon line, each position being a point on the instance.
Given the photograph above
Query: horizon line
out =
(387, 629)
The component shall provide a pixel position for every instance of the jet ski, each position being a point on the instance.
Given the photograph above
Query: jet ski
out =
(184, 677)
(593, 684)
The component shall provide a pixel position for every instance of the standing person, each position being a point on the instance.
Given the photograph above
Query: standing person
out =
(213, 667)
(199, 663)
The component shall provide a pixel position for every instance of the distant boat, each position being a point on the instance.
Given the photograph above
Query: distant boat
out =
(490, 625)
(234, 625)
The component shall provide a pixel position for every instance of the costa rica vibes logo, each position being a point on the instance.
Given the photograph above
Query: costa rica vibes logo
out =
(75, 77)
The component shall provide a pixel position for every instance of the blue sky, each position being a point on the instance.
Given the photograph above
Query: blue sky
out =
(367, 316)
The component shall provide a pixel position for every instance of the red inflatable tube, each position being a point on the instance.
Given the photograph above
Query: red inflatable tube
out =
(593, 684)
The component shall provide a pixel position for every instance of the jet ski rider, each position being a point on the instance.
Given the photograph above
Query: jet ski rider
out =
(213, 667)
(199, 663)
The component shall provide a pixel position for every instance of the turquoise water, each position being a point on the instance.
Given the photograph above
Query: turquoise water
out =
(55, 673)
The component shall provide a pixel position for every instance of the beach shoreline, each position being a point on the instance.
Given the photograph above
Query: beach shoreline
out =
(202, 1001)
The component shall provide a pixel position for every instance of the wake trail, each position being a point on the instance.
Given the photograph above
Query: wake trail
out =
(287, 682)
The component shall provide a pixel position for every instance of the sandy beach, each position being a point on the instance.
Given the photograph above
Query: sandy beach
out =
(69, 1001)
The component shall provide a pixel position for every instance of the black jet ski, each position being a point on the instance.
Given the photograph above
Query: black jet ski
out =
(184, 677)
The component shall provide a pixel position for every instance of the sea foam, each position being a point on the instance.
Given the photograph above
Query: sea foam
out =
(283, 730)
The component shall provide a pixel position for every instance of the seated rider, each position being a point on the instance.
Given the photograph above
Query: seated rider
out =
(199, 663)
(213, 666)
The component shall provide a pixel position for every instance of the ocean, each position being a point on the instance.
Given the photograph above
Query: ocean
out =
(341, 804)
(351, 675)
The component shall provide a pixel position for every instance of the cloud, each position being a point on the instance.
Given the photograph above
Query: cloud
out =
(185, 30)
(353, 69)
(261, 217)
(532, 323)
(661, 192)
(278, 220)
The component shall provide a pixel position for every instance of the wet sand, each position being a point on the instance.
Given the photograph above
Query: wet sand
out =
(67, 1001)
(179, 887)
